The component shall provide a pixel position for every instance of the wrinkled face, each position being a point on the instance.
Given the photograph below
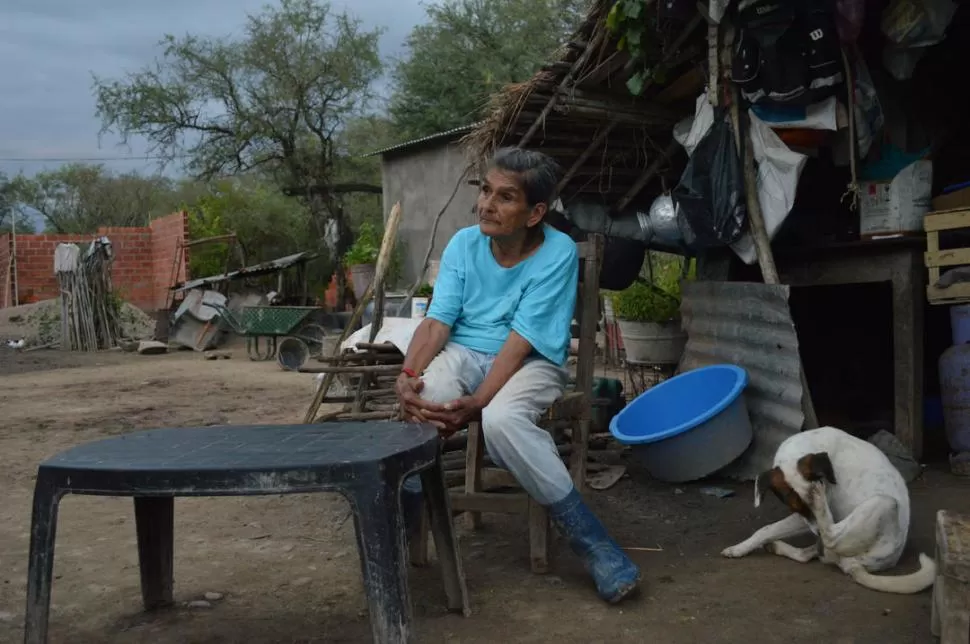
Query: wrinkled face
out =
(502, 208)
(790, 482)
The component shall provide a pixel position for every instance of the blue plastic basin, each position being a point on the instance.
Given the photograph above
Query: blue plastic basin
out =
(690, 426)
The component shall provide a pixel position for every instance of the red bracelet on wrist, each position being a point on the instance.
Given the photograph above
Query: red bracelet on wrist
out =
(410, 373)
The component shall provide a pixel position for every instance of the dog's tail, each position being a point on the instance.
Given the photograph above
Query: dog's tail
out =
(900, 584)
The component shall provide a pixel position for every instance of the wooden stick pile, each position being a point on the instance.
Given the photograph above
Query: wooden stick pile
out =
(370, 372)
(89, 311)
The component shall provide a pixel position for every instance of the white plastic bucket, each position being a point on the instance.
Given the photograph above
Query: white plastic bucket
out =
(419, 307)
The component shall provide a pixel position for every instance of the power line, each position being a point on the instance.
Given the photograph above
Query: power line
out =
(89, 159)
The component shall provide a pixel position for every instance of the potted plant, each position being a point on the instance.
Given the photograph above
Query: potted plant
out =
(421, 300)
(361, 258)
(648, 315)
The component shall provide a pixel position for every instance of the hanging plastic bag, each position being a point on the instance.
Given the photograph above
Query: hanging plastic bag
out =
(911, 27)
(710, 193)
(779, 170)
(690, 131)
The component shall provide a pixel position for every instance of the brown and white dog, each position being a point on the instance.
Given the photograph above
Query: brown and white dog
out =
(848, 493)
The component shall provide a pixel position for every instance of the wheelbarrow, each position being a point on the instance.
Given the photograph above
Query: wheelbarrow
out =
(262, 326)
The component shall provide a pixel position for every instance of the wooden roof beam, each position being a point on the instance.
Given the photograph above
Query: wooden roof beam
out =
(605, 132)
(579, 64)
(647, 175)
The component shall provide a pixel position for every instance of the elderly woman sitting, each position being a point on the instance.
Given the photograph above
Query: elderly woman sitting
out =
(494, 344)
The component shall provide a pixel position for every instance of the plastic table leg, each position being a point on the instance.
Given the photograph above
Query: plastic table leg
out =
(155, 525)
(43, 528)
(383, 559)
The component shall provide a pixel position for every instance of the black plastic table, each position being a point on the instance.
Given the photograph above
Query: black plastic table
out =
(366, 462)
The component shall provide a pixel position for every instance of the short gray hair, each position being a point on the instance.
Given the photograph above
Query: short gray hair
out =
(539, 172)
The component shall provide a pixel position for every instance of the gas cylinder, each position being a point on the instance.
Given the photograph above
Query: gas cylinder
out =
(954, 369)
(960, 323)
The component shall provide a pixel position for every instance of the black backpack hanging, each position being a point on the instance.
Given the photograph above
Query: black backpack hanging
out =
(786, 52)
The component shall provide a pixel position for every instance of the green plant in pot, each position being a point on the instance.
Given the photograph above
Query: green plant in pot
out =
(644, 302)
(361, 258)
(648, 315)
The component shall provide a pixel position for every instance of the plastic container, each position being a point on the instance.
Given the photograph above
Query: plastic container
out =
(960, 323)
(361, 275)
(954, 368)
(419, 308)
(292, 353)
(690, 426)
(652, 343)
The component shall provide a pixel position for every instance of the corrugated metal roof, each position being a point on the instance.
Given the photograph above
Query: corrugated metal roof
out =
(749, 325)
(255, 270)
(425, 139)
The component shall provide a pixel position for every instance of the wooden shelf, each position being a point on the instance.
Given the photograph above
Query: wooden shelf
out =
(936, 259)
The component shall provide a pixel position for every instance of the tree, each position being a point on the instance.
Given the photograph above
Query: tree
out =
(361, 136)
(271, 101)
(11, 208)
(268, 225)
(79, 198)
(470, 49)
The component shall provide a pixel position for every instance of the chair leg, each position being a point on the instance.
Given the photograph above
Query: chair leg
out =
(539, 534)
(474, 454)
(446, 544)
(40, 574)
(155, 525)
(420, 544)
(383, 560)
(577, 463)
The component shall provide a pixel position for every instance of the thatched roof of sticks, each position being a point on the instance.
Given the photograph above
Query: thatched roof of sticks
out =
(578, 110)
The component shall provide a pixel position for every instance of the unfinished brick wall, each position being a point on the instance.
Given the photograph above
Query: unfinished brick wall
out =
(167, 234)
(142, 268)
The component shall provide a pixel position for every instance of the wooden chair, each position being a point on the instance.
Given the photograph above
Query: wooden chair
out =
(572, 411)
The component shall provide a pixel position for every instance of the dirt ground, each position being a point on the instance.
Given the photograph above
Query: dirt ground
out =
(287, 565)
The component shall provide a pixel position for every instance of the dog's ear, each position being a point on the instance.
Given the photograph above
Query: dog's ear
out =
(815, 467)
(762, 483)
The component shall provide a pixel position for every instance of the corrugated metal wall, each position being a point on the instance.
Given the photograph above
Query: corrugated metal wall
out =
(749, 325)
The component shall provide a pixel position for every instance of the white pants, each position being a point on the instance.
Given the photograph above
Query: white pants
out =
(512, 438)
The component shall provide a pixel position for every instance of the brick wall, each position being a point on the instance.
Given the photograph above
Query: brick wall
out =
(131, 273)
(142, 268)
(166, 235)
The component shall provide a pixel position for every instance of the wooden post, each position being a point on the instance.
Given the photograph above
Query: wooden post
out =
(383, 262)
(759, 234)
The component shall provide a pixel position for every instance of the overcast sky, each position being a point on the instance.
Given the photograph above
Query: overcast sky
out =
(50, 48)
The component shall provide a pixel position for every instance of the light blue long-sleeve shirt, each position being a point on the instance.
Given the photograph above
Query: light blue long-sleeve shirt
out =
(483, 302)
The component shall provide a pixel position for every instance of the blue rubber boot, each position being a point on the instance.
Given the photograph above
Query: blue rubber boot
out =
(615, 575)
